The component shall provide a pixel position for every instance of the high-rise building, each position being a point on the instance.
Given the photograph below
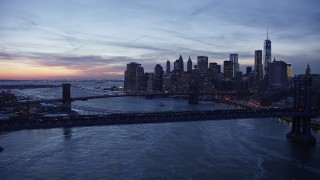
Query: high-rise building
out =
(205, 83)
(266, 56)
(132, 77)
(168, 67)
(189, 65)
(150, 82)
(158, 78)
(178, 65)
(185, 80)
(258, 71)
(195, 66)
(167, 87)
(203, 64)
(140, 82)
(249, 70)
(219, 68)
(289, 70)
(214, 74)
(175, 81)
(228, 69)
(278, 73)
(204, 78)
(234, 59)
(147, 76)
(213, 71)
(181, 63)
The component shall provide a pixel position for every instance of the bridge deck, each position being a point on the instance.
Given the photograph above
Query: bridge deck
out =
(20, 123)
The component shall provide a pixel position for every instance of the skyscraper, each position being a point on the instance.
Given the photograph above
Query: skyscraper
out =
(249, 70)
(228, 69)
(258, 71)
(213, 71)
(203, 64)
(181, 63)
(289, 70)
(234, 59)
(278, 73)
(178, 65)
(168, 67)
(140, 81)
(189, 65)
(219, 68)
(158, 78)
(150, 82)
(131, 76)
(267, 55)
(166, 83)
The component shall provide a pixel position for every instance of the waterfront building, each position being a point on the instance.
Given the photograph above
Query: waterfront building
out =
(150, 82)
(140, 84)
(158, 78)
(134, 77)
(147, 76)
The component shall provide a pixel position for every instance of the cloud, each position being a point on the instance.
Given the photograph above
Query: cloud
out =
(104, 36)
(4, 55)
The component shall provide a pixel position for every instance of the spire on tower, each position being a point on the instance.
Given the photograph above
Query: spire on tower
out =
(267, 33)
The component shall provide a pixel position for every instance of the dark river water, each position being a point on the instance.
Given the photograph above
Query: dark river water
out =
(223, 149)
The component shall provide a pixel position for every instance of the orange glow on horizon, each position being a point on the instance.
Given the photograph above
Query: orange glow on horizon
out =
(26, 71)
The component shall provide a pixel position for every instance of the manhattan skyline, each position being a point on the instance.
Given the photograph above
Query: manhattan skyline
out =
(96, 39)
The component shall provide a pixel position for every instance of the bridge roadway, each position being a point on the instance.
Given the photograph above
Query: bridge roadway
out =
(19, 123)
(84, 98)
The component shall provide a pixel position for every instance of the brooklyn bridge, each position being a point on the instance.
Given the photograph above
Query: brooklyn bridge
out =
(301, 112)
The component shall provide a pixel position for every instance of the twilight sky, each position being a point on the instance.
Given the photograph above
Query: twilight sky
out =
(42, 39)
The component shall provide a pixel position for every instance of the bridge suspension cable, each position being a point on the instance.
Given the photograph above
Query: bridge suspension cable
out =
(269, 93)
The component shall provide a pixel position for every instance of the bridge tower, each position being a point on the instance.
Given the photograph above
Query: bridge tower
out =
(66, 97)
(302, 101)
(194, 92)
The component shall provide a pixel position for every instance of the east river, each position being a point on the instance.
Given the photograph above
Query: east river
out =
(223, 149)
